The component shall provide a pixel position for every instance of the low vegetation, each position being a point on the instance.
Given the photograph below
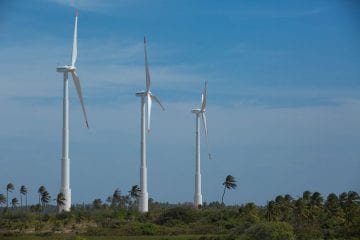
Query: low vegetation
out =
(307, 217)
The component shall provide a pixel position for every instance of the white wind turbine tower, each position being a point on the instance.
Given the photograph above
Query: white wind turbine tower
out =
(199, 112)
(65, 161)
(144, 195)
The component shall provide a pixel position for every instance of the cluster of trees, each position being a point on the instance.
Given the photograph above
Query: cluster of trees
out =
(14, 201)
(116, 200)
(333, 216)
(44, 198)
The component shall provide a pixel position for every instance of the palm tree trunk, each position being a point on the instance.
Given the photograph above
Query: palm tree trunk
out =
(20, 200)
(7, 198)
(222, 198)
(26, 200)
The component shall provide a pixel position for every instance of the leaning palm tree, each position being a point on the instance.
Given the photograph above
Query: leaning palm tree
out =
(97, 203)
(230, 183)
(23, 191)
(134, 193)
(116, 198)
(2, 199)
(45, 198)
(14, 202)
(60, 201)
(41, 190)
(9, 188)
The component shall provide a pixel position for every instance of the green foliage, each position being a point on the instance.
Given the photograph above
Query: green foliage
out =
(178, 215)
(249, 213)
(2, 199)
(269, 231)
(308, 217)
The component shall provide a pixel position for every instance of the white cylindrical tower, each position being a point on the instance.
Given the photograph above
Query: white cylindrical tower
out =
(144, 195)
(65, 161)
(197, 196)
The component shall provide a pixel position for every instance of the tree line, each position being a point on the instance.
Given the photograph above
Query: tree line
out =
(129, 200)
(308, 216)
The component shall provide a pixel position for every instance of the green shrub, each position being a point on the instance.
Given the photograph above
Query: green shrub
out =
(269, 231)
(39, 226)
(149, 229)
(180, 214)
(309, 232)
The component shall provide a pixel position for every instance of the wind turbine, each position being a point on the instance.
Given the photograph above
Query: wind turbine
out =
(199, 112)
(144, 195)
(65, 161)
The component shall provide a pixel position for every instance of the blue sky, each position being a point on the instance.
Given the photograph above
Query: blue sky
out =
(283, 103)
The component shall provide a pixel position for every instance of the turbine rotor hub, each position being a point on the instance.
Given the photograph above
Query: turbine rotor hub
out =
(65, 68)
(196, 111)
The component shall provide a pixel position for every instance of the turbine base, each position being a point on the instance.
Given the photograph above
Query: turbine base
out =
(198, 200)
(67, 203)
(144, 202)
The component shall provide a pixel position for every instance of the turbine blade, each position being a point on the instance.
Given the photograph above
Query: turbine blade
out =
(203, 117)
(158, 101)
(203, 98)
(74, 50)
(78, 90)
(148, 110)
(147, 72)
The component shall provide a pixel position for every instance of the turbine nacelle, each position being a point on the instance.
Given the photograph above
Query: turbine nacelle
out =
(200, 112)
(65, 68)
(197, 111)
(142, 93)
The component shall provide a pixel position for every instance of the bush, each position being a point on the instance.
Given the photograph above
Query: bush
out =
(310, 232)
(178, 214)
(269, 231)
(149, 229)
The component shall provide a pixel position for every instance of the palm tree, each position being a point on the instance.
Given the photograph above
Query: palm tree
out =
(109, 200)
(270, 211)
(60, 200)
(23, 191)
(14, 202)
(45, 198)
(353, 197)
(306, 201)
(230, 183)
(2, 199)
(97, 203)
(316, 199)
(134, 193)
(9, 188)
(288, 198)
(287, 207)
(332, 206)
(316, 203)
(41, 190)
(348, 201)
(116, 197)
(306, 196)
(300, 211)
